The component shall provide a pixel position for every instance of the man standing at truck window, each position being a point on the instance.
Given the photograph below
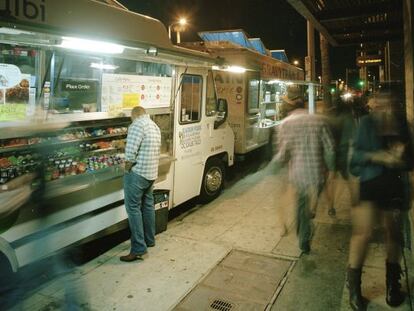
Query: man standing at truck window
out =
(142, 154)
(306, 144)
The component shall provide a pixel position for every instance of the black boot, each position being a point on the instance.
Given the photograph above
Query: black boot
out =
(394, 295)
(353, 282)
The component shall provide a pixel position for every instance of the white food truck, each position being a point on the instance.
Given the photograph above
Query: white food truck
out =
(252, 81)
(71, 72)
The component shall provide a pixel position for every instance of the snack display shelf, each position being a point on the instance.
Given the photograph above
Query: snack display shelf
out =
(88, 126)
(102, 150)
(270, 102)
(70, 184)
(86, 153)
(54, 143)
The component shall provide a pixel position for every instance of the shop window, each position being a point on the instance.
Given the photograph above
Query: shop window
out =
(191, 98)
(211, 98)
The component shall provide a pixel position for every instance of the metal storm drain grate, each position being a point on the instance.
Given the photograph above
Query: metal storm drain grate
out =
(241, 281)
(221, 305)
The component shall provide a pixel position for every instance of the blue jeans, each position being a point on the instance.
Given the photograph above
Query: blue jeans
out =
(139, 204)
(306, 201)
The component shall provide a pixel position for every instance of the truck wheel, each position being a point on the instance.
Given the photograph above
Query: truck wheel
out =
(213, 180)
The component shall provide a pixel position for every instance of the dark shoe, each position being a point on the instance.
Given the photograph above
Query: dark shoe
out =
(305, 248)
(394, 295)
(131, 257)
(353, 282)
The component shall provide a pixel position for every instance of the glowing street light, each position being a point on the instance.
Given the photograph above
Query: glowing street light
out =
(182, 22)
(296, 62)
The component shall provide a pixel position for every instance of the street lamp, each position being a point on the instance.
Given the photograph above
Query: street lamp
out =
(296, 62)
(181, 23)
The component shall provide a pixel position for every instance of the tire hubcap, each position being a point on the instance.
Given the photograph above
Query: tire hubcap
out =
(213, 180)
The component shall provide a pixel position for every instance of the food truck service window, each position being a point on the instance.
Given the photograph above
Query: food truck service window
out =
(191, 98)
(87, 83)
(36, 76)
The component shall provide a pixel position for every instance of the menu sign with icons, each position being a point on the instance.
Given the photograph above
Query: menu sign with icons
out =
(127, 91)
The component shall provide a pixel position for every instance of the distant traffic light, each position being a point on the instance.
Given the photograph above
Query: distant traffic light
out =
(333, 90)
(361, 83)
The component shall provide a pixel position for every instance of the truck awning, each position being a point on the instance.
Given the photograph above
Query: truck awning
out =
(280, 55)
(238, 37)
(258, 45)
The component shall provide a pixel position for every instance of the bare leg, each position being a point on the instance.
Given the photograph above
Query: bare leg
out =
(363, 220)
(353, 187)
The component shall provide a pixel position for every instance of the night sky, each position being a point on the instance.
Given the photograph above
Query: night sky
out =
(274, 21)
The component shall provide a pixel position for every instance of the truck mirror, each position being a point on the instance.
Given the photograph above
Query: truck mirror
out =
(222, 112)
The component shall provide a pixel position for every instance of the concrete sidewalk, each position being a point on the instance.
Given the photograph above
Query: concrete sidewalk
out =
(250, 217)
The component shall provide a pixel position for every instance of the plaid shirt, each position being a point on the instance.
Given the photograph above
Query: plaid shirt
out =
(306, 142)
(143, 147)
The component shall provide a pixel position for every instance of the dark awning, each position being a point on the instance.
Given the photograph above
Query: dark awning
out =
(352, 22)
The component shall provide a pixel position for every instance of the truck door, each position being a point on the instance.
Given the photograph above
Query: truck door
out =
(189, 167)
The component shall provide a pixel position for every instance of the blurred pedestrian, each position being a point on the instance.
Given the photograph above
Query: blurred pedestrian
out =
(381, 158)
(344, 122)
(142, 154)
(14, 194)
(305, 143)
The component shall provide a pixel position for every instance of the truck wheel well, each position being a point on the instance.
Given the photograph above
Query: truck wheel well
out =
(7, 256)
(6, 269)
(224, 156)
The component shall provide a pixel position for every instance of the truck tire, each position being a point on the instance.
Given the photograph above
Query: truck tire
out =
(213, 180)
